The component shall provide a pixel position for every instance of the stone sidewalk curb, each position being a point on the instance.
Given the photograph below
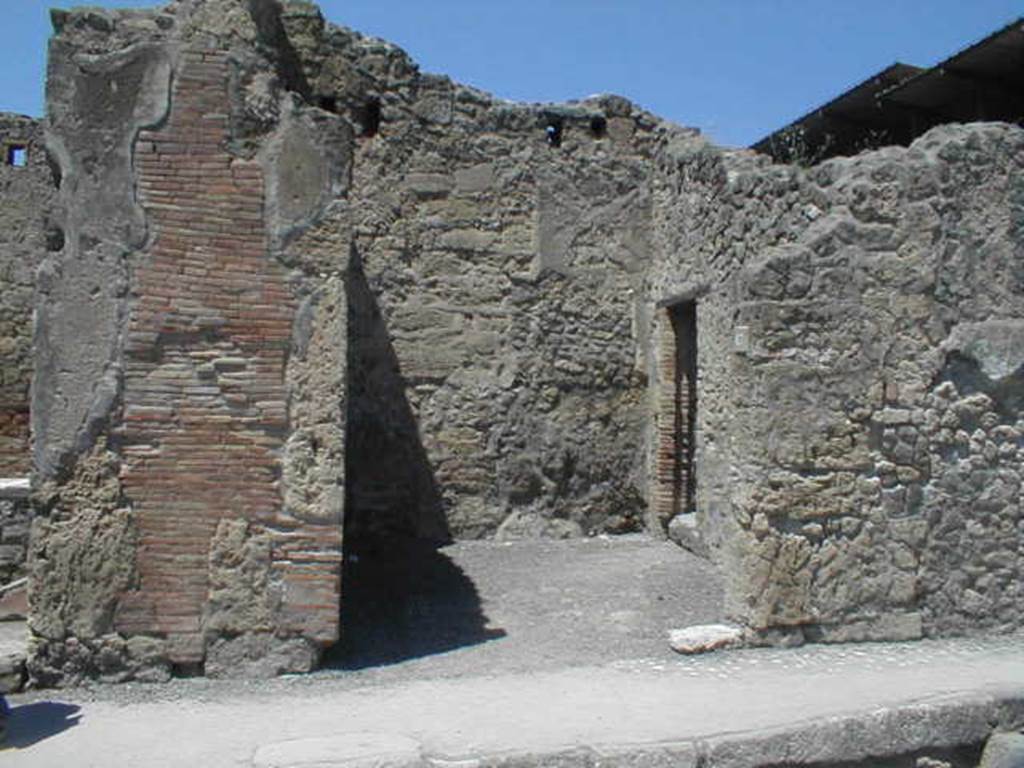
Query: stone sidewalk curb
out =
(884, 733)
(928, 727)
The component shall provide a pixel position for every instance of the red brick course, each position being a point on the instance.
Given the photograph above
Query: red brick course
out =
(674, 454)
(15, 456)
(205, 405)
(667, 491)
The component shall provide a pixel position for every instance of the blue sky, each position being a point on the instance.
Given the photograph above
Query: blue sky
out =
(736, 69)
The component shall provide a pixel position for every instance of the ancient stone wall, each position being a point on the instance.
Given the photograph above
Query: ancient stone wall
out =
(189, 397)
(297, 290)
(494, 275)
(279, 238)
(26, 188)
(860, 367)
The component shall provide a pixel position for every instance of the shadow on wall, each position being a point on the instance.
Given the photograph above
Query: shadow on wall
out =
(31, 723)
(401, 597)
(1007, 393)
(390, 489)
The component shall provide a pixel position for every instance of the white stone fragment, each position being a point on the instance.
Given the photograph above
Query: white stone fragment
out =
(704, 637)
(14, 487)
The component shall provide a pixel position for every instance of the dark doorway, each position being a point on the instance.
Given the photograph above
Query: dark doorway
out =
(677, 418)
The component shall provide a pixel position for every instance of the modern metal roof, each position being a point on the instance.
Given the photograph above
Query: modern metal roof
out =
(983, 82)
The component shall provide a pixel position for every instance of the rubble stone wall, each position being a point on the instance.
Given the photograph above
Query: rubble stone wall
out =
(26, 187)
(859, 341)
(494, 276)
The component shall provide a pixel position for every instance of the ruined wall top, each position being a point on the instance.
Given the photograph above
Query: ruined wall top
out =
(330, 66)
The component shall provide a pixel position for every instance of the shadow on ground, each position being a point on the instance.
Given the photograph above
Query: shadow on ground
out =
(31, 723)
(403, 599)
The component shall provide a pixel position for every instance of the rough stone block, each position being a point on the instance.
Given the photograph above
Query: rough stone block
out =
(1003, 750)
(428, 185)
(704, 638)
(895, 626)
(259, 656)
(15, 487)
(684, 531)
(475, 179)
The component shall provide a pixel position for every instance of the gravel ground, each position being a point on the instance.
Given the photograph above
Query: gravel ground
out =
(526, 605)
(487, 608)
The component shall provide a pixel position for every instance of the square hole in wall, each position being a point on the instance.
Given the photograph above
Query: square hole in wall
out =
(17, 155)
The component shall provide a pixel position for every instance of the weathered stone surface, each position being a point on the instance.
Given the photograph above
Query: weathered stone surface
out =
(997, 346)
(685, 531)
(239, 598)
(82, 552)
(860, 396)
(14, 488)
(497, 390)
(704, 638)
(260, 655)
(109, 658)
(889, 733)
(1003, 750)
(314, 461)
(83, 286)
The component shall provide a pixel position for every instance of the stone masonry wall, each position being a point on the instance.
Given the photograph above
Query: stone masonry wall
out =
(860, 360)
(297, 291)
(189, 436)
(27, 188)
(493, 285)
(281, 238)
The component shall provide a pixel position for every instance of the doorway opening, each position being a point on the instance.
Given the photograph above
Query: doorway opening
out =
(676, 476)
(402, 596)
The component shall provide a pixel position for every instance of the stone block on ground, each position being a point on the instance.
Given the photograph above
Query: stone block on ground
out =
(14, 487)
(684, 531)
(705, 637)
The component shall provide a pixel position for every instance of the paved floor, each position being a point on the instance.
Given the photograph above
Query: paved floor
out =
(581, 674)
